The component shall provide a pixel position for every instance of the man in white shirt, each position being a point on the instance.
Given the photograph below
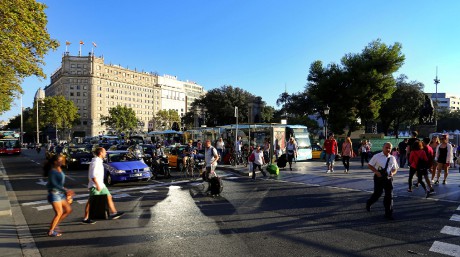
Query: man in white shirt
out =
(384, 166)
(96, 185)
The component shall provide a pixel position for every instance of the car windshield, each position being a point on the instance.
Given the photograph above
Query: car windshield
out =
(121, 157)
(75, 150)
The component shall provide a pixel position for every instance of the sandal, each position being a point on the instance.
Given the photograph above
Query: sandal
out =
(54, 234)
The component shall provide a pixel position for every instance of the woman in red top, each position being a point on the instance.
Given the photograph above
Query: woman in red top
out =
(417, 155)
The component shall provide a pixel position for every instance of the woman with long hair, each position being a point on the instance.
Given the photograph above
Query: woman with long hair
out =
(57, 193)
(347, 153)
(444, 157)
(434, 144)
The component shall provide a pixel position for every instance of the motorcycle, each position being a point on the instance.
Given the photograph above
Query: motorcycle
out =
(160, 166)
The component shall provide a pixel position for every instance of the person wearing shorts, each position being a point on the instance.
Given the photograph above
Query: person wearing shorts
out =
(331, 148)
(96, 185)
(444, 157)
(210, 157)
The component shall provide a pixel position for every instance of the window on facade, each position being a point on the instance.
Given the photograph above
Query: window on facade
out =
(85, 87)
(71, 93)
(78, 93)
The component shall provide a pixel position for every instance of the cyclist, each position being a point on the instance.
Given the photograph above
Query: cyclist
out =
(189, 153)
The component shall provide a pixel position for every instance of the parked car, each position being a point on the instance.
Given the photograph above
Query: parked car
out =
(121, 166)
(77, 155)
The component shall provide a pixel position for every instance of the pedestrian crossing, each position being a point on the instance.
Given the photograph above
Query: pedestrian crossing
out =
(448, 248)
(42, 205)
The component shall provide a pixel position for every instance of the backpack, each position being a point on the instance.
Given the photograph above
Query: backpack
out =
(421, 164)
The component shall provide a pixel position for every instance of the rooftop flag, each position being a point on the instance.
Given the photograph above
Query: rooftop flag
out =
(81, 42)
(94, 44)
(67, 43)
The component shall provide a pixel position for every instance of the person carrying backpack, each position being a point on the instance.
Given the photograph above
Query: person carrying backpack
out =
(418, 164)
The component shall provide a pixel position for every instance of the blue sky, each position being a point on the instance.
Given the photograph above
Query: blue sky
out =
(261, 46)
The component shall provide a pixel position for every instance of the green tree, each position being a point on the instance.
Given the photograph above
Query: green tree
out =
(370, 78)
(165, 119)
(24, 43)
(29, 125)
(404, 106)
(121, 119)
(448, 121)
(57, 112)
(220, 104)
(356, 88)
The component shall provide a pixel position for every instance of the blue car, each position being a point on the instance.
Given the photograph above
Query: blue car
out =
(121, 166)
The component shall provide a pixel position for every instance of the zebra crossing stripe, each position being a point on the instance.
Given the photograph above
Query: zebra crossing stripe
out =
(445, 248)
(149, 191)
(455, 217)
(454, 231)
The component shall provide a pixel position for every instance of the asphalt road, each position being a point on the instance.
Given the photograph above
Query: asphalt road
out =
(305, 212)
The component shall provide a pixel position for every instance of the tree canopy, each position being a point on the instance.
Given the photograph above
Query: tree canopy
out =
(24, 43)
(57, 112)
(165, 119)
(121, 119)
(220, 105)
(354, 90)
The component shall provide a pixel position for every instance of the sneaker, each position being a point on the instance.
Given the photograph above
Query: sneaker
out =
(444, 182)
(436, 182)
(116, 215)
(409, 190)
(332, 170)
(88, 221)
(427, 193)
(328, 171)
(431, 190)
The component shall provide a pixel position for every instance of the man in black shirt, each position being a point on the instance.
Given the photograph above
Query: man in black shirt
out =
(402, 152)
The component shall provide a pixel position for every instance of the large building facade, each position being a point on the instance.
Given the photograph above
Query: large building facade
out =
(95, 87)
(445, 100)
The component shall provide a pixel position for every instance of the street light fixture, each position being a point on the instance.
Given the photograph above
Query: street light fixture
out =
(326, 114)
(39, 96)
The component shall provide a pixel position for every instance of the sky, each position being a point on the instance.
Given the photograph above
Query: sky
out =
(262, 46)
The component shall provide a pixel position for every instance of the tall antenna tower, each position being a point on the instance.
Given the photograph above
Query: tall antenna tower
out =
(436, 82)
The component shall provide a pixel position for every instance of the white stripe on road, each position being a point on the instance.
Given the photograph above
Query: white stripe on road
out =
(44, 207)
(149, 191)
(120, 196)
(455, 217)
(445, 248)
(454, 231)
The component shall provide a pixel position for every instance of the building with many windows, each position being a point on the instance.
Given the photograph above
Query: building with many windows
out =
(95, 87)
(445, 100)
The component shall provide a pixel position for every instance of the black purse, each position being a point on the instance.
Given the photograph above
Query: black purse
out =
(383, 172)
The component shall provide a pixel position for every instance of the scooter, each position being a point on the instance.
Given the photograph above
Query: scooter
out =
(160, 166)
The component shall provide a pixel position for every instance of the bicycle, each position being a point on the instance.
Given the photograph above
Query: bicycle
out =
(189, 168)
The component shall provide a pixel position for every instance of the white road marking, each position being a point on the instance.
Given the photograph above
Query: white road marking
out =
(454, 231)
(149, 191)
(455, 217)
(445, 248)
(42, 182)
(120, 196)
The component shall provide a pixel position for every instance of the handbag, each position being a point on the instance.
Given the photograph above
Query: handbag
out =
(252, 158)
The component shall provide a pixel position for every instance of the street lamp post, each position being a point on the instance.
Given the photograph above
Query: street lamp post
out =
(39, 96)
(326, 114)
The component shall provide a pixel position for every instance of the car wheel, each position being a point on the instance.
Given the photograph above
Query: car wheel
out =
(109, 180)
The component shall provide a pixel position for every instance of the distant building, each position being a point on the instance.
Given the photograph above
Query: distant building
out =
(95, 87)
(445, 100)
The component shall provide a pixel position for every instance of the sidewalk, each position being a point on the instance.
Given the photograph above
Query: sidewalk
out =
(9, 240)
